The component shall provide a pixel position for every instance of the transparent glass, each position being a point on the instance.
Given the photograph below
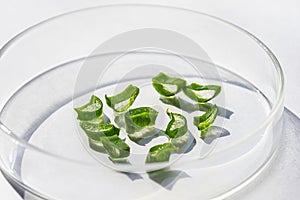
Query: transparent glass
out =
(43, 155)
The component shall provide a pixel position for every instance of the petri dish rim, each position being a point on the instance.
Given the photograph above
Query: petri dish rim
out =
(269, 118)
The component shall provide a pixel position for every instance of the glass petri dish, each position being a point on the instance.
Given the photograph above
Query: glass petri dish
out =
(54, 66)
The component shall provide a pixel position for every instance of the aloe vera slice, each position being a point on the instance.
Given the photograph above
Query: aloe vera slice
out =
(204, 121)
(96, 131)
(96, 145)
(122, 101)
(115, 147)
(185, 105)
(91, 110)
(103, 119)
(160, 153)
(167, 85)
(201, 93)
(177, 126)
(199, 106)
(139, 118)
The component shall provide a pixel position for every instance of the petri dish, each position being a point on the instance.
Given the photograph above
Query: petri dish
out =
(54, 66)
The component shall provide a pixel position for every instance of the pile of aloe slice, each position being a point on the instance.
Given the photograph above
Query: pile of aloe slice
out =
(139, 123)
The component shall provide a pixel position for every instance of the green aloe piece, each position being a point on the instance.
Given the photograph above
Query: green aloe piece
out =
(96, 131)
(177, 126)
(179, 103)
(204, 121)
(160, 153)
(91, 110)
(180, 141)
(144, 134)
(122, 101)
(139, 118)
(201, 93)
(167, 85)
(96, 145)
(103, 119)
(115, 147)
(185, 105)
(119, 119)
(199, 106)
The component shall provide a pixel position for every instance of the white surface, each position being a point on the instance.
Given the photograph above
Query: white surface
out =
(281, 180)
(276, 23)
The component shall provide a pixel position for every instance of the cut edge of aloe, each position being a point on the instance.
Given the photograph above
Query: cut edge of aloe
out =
(128, 95)
(115, 147)
(91, 110)
(160, 81)
(204, 121)
(192, 89)
(96, 131)
(177, 125)
(161, 152)
(139, 118)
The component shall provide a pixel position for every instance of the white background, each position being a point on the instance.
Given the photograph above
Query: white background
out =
(275, 22)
